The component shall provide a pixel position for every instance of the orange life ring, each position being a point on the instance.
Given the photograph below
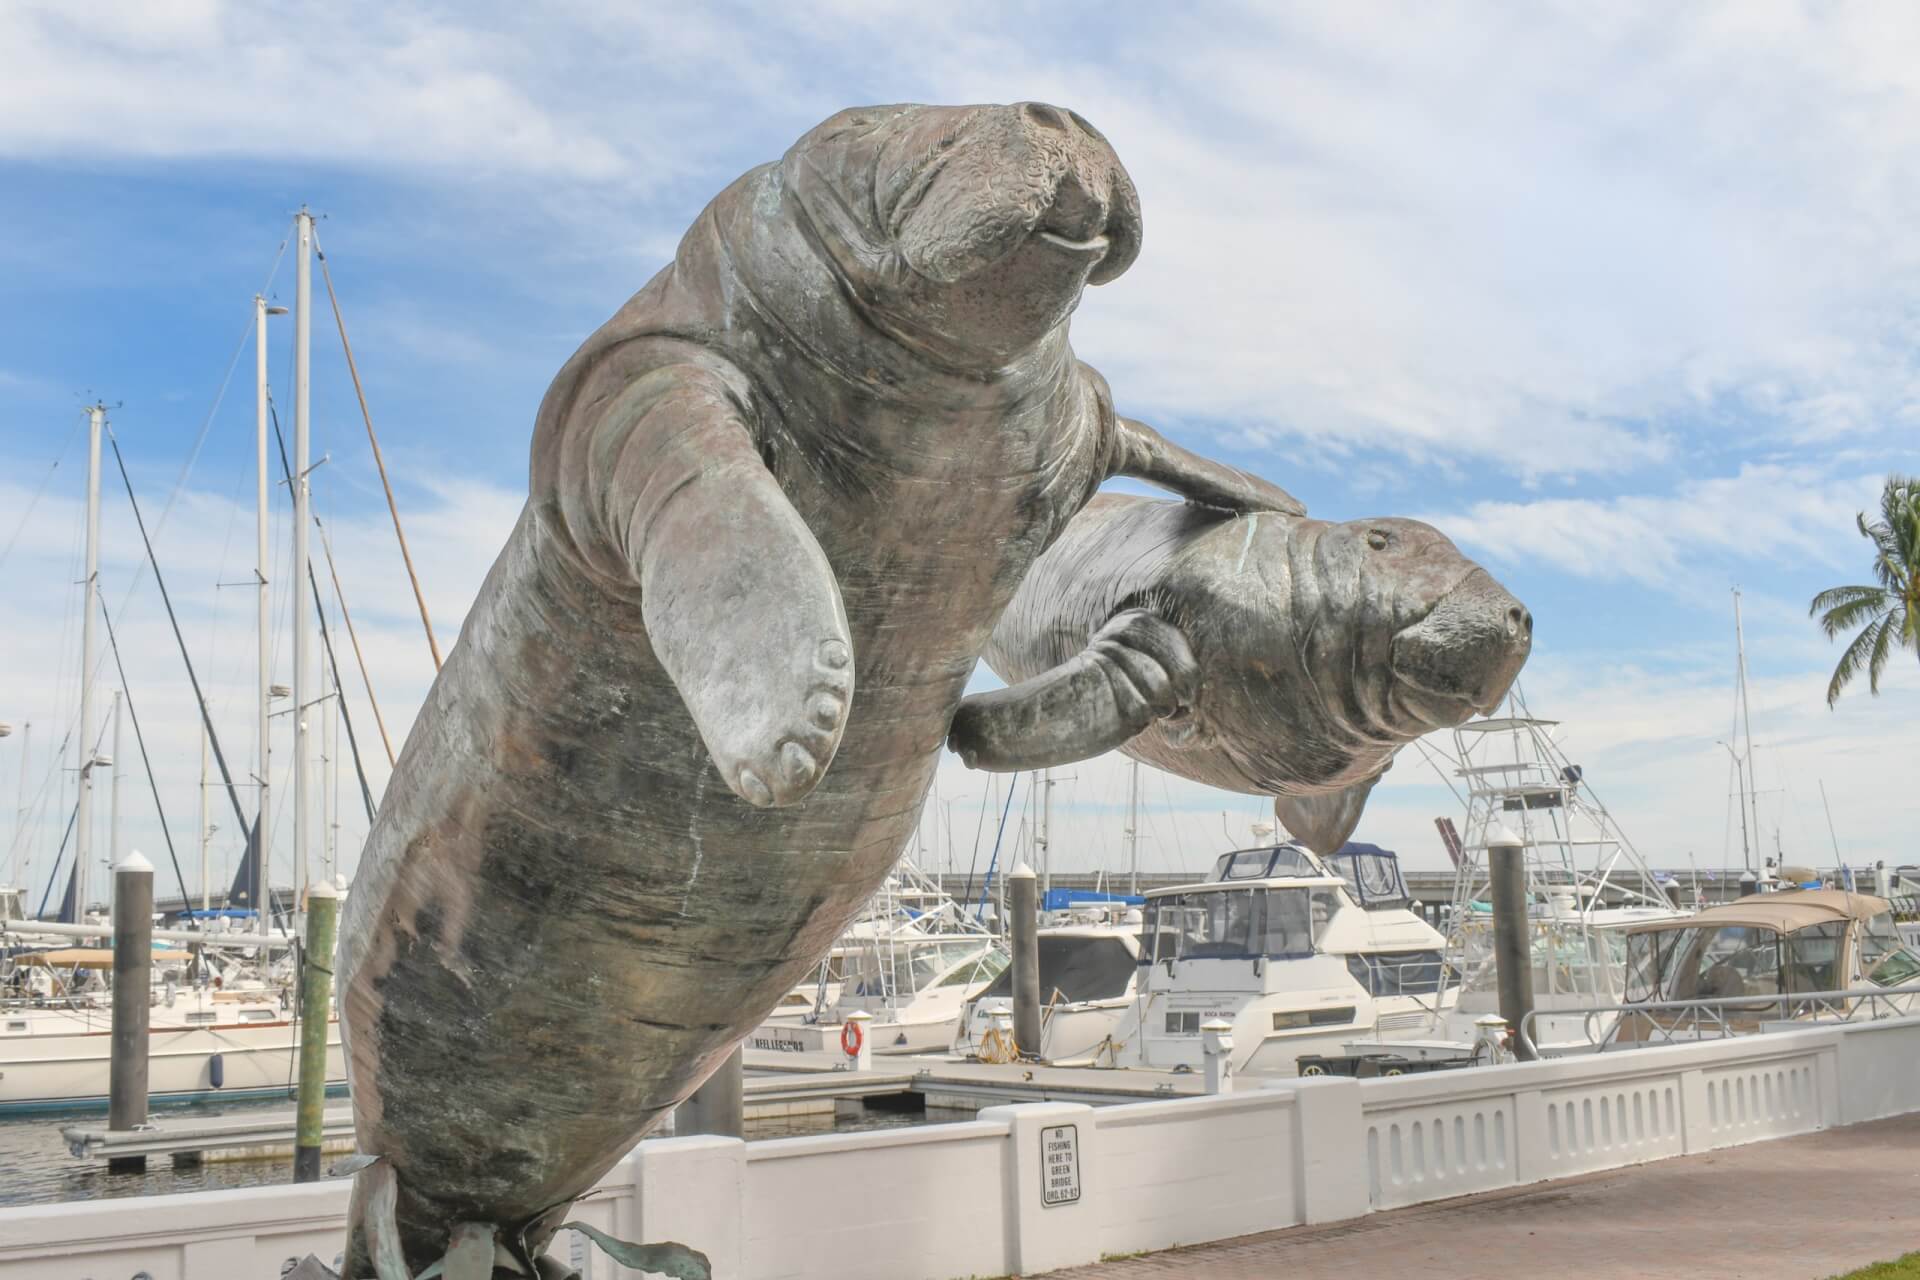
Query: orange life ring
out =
(850, 1038)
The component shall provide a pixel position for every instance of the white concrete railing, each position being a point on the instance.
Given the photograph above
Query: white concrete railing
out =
(1026, 1189)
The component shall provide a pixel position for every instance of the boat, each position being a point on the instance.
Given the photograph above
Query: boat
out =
(1089, 963)
(1763, 959)
(1276, 945)
(910, 962)
(1586, 884)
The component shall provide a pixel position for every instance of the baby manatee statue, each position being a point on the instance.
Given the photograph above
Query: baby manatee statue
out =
(1269, 654)
(778, 503)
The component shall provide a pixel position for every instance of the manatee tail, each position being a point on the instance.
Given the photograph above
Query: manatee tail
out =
(1324, 822)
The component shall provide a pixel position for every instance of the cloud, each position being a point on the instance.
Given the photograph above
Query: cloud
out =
(1545, 242)
(1763, 512)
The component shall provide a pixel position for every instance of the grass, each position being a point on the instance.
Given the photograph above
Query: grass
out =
(1904, 1268)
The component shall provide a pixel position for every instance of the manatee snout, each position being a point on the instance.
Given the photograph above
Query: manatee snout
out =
(1468, 649)
(1030, 179)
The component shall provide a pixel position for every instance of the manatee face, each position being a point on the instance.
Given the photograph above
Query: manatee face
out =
(1407, 634)
(967, 231)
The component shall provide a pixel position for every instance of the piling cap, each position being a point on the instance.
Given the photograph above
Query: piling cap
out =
(1021, 872)
(133, 862)
(1499, 836)
(322, 889)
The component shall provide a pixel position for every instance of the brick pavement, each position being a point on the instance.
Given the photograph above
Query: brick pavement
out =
(1793, 1209)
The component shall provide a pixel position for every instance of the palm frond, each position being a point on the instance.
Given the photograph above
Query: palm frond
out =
(1861, 605)
(1849, 665)
(1842, 595)
(1882, 646)
(1886, 550)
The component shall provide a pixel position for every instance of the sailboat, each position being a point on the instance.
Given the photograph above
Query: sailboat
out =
(223, 1021)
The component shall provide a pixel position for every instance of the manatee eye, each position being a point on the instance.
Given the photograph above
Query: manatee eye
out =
(1379, 539)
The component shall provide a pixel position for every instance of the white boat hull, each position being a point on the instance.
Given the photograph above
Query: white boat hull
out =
(68, 1070)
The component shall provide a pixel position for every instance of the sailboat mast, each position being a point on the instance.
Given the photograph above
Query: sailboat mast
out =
(1133, 829)
(329, 773)
(302, 339)
(1746, 718)
(1046, 833)
(206, 900)
(113, 803)
(20, 817)
(83, 821)
(263, 622)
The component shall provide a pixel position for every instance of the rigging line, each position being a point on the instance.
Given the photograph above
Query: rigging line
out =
(61, 852)
(378, 461)
(326, 545)
(206, 717)
(39, 493)
(326, 636)
(113, 643)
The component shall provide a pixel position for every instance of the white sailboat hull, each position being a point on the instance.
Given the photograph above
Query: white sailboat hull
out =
(62, 1063)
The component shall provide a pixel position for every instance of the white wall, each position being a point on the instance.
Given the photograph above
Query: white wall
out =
(968, 1199)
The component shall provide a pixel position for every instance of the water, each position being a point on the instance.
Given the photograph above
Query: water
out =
(35, 1167)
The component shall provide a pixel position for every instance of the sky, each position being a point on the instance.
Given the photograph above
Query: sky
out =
(1620, 297)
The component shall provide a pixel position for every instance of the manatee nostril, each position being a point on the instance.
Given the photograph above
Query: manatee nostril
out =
(1519, 623)
(1047, 117)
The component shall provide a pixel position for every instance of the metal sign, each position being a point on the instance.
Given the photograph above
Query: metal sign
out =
(1060, 1165)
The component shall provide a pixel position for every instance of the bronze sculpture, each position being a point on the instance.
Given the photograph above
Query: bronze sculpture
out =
(1264, 653)
(778, 503)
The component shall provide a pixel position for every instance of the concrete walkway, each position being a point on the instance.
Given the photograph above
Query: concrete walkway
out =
(1797, 1209)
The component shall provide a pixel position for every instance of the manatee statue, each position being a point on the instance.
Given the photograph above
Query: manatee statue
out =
(777, 503)
(1263, 653)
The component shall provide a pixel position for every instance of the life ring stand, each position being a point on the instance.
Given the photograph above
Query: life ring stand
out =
(851, 1038)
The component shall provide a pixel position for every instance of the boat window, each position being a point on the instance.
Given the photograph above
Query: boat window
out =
(1083, 969)
(1284, 861)
(1248, 864)
(1157, 940)
(1076, 967)
(16, 1024)
(1645, 951)
(930, 963)
(1813, 958)
(204, 1016)
(257, 1015)
(1295, 919)
(1397, 973)
(1374, 879)
(1729, 961)
(1294, 1019)
(987, 967)
(1884, 958)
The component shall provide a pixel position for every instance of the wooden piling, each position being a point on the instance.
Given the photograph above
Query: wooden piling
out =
(316, 991)
(132, 1001)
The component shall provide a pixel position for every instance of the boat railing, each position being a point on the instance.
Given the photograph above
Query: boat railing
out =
(1722, 1016)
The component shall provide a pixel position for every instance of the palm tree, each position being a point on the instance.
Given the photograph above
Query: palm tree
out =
(1891, 610)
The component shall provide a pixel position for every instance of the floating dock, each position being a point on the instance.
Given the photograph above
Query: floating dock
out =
(778, 1086)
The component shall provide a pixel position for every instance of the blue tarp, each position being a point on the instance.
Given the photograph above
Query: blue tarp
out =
(1062, 899)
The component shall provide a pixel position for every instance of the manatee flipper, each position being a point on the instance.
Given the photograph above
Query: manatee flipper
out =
(1324, 822)
(1138, 668)
(1145, 454)
(740, 604)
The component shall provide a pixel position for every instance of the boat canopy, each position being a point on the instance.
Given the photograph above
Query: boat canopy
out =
(1786, 912)
(1268, 862)
(83, 957)
(1372, 875)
